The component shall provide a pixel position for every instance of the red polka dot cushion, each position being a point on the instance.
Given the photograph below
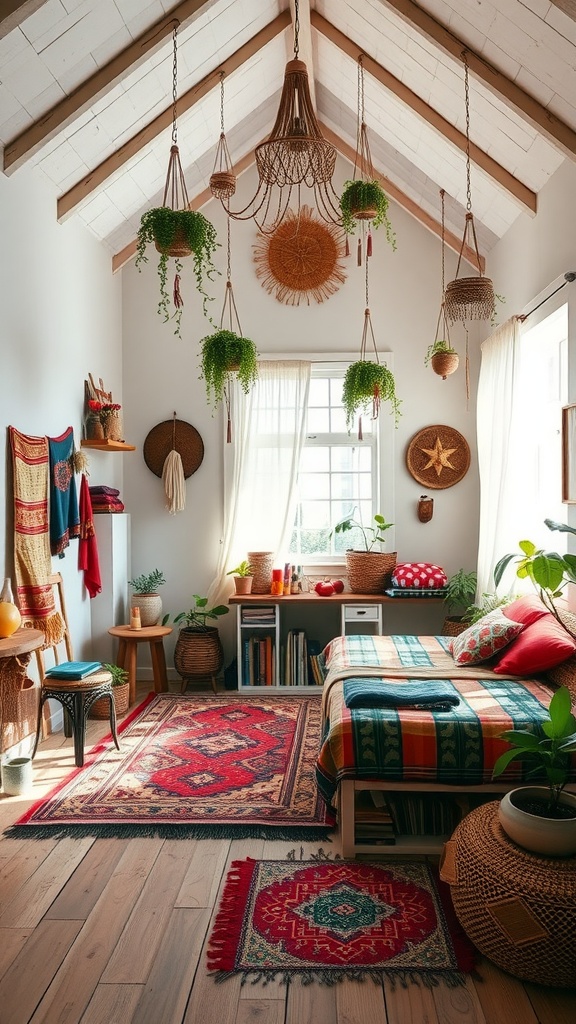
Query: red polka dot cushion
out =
(485, 638)
(419, 576)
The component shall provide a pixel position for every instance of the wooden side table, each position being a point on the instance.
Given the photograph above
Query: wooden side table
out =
(128, 640)
(17, 716)
(517, 907)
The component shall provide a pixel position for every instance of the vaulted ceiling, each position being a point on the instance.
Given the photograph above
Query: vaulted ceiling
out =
(86, 97)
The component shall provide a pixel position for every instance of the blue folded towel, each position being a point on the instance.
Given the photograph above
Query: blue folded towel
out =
(73, 669)
(429, 695)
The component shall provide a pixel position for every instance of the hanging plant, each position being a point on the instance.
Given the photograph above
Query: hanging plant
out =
(223, 353)
(444, 359)
(177, 234)
(367, 383)
(365, 200)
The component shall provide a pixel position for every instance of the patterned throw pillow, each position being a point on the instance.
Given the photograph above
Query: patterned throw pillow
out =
(485, 638)
(418, 575)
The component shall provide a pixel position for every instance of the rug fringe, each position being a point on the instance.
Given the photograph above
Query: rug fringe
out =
(225, 937)
(169, 831)
(330, 977)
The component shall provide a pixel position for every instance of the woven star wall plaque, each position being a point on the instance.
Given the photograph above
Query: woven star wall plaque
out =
(438, 456)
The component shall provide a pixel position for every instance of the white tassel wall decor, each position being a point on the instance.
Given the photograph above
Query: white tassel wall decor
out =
(174, 482)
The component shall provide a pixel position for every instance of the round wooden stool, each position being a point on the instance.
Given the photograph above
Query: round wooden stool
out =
(77, 697)
(128, 640)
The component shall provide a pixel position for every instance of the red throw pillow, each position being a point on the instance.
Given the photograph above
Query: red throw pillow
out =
(541, 645)
(485, 638)
(418, 576)
(526, 609)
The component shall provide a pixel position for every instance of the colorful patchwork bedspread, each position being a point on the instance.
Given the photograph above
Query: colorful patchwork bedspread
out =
(455, 747)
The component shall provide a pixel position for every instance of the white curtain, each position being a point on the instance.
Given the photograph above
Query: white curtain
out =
(498, 442)
(261, 466)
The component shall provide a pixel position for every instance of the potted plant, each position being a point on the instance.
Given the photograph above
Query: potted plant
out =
(177, 234)
(365, 200)
(198, 652)
(460, 594)
(366, 383)
(369, 571)
(542, 819)
(225, 352)
(243, 576)
(146, 596)
(120, 693)
(443, 357)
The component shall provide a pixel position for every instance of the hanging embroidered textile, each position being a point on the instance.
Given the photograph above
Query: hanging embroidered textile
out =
(64, 513)
(88, 560)
(32, 565)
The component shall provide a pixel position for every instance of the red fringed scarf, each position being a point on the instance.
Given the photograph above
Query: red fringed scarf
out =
(88, 560)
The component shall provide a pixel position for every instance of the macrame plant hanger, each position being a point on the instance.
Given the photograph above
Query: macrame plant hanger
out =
(175, 191)
(230, 314)
(444, 360)
(469, 298)
(363, 168)
(368, 332)
(222, 180)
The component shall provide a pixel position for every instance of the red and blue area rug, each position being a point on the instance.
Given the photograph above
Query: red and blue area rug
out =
(196, 766)
(330, 920)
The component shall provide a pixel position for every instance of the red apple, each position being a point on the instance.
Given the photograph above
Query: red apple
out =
(324, 588)
(338, 586)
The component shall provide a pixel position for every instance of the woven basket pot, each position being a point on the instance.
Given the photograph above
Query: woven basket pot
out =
(222, 184)
(370, 572)
(261, 562)
(445, 363)
(112, 425)
(454, 625)
(469, 298)
(101, 708)
(150, 606)
(179, 246)
(365, 213)
(198, 652)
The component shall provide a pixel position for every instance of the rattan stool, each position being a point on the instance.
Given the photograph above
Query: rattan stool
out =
(518, 908)
(128, 640)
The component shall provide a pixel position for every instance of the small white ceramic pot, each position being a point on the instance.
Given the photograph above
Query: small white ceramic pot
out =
(549, 836)
(17, 776)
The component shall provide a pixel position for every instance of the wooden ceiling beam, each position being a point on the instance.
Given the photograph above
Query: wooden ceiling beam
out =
(120, 259)
(79, 192)
(542, 119)
(393, 192)
(566, 6)
(102, 81)
(515, 188)
(14, 12)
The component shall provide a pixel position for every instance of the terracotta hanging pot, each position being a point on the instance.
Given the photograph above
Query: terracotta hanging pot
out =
(445, 363)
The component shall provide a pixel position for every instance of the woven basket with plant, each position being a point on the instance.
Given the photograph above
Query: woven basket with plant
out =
(120, 694)
(368, 571)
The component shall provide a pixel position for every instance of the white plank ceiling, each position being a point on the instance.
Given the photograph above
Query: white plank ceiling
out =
(79, 79)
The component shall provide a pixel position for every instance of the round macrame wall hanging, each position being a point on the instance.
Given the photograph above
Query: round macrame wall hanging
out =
(438, 457)
(301, 259)
(174, 435)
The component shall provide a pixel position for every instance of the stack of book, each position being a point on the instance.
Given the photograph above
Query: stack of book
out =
(296, 658)
(373, 824)
(428, 814)
(258, 667)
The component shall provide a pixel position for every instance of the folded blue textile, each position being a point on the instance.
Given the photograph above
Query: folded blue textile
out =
(415, 592)
(73, 669)
(429, 695)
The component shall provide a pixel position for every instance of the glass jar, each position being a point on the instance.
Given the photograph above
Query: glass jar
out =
(6, 592)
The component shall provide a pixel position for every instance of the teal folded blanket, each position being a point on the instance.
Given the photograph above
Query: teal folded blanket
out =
(430, 695)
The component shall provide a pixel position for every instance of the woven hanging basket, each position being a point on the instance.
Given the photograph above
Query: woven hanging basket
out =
(101, 708)
(261, 562)
(198, 652)
(364, 213)
(178, 247)
(222, 184)
(445, 363)
(370, 572)
(470, 298)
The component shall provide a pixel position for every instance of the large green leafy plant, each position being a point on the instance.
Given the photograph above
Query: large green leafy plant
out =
(371, 535)
(368, 382)
(197, 616)
(365, 195)
(222, 352)
(164, 227)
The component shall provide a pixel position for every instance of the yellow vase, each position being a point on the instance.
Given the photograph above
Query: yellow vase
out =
(10, 619)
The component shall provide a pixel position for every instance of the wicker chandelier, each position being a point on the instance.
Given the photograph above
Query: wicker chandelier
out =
(469, 298)
(294, 157)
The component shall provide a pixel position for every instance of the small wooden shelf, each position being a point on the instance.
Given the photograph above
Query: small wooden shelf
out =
(108, 446)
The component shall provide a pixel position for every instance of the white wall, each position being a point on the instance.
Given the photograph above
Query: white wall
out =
(61, 319)
(161, 376)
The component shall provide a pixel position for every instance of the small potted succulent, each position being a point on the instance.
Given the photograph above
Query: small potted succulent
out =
(177, 234)
(443, 357)
(223, 353)
(366, 384)
(365, 200)
(243, 576)
(198, 652)
(369, 571)
(146, 596)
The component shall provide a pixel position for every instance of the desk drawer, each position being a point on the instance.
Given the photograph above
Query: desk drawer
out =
(361, 612)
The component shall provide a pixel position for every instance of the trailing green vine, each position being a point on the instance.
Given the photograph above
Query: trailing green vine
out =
(363, 195)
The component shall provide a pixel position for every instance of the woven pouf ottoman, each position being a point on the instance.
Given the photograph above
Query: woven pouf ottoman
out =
(519, 909)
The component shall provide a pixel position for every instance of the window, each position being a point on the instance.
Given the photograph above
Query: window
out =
(338, 475)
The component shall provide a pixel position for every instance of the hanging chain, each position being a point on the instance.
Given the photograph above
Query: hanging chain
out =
(361, 89)
(467, 102)
(442, 193)
(366, 283)
(222, 76)
(174, 85)
(229, 264)
(296, 29)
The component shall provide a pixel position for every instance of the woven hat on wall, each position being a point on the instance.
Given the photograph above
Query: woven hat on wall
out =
(175, 435)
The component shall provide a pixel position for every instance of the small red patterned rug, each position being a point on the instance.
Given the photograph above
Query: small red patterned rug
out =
(196, 766)
(338, 919)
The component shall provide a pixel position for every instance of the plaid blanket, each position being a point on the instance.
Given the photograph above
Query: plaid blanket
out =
(457, 748)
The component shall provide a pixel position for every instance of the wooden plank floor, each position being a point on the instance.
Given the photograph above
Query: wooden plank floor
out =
(114, 931)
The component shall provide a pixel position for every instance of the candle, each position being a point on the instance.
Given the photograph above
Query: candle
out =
(277, 588)
(135, 622)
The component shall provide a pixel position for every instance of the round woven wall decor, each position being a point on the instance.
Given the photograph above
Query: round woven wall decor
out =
(177, 434)
(301, 259)
(438, 456)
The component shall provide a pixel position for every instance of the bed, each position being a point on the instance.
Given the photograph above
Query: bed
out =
(447, 744)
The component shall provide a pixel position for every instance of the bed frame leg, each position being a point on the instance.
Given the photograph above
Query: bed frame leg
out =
(346, 818)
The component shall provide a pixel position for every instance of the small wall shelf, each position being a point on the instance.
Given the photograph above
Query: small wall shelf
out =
(108, 446)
